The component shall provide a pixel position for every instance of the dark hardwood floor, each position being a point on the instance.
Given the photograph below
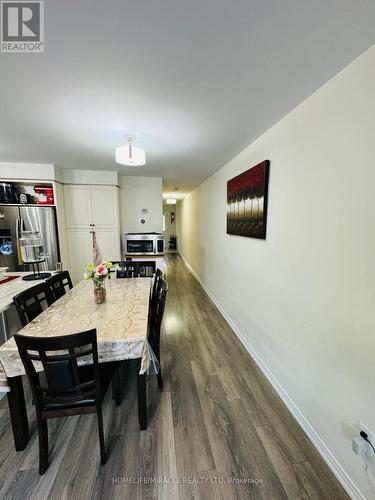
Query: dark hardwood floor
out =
(217, 420)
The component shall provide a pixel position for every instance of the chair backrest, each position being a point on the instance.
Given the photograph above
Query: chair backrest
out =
(158, 277)
(116, 265)
(127, 269)
(58, 283)
(29, 304)
(157, 315)
(58, 356)
(146, 269)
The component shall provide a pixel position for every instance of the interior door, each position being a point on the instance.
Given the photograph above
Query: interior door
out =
(43, 219)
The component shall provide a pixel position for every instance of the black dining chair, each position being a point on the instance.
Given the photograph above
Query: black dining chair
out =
(58, 283)
(29, 304)
(146, 269)
(155, 323)
(128, 269)
(63, 388)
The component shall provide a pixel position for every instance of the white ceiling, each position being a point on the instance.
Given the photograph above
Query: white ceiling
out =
(195, 80)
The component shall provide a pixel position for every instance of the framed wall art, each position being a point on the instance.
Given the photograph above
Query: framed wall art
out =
(247, 202)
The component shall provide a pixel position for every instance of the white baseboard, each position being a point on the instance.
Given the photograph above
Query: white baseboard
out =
(339, 472)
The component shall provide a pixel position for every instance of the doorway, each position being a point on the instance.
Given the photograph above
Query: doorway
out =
(170, 228)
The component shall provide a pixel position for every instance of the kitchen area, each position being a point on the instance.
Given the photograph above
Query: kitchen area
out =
(51, 217)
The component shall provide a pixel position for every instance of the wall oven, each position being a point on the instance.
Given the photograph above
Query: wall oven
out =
(143, 244)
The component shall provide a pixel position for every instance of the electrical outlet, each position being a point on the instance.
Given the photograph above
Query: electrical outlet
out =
(370, 434)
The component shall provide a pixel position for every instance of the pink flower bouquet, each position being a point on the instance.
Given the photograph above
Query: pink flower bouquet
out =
(98, 273)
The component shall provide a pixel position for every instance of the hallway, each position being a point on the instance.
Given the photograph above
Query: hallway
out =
(217, 421)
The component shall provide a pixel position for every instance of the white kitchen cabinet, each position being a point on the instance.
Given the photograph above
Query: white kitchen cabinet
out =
(80, 252)
(105, 206)
(109, 244)
(78, 207)
(91, 205)
(91, 208)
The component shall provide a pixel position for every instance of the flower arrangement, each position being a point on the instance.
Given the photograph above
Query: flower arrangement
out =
(98, 274)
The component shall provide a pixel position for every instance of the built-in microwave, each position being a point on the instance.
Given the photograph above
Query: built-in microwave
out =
(143, 244)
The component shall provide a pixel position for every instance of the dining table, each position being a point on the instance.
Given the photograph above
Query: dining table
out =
(121, 324)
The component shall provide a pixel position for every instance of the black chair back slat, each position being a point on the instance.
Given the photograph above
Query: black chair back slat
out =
(29, 304)
(58, 283)
(153, 303)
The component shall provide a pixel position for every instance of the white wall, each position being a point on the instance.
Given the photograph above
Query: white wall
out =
(139, 193)
(304, 299)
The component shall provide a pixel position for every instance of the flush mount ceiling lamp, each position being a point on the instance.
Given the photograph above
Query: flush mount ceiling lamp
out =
(171, 201)
(129, 154)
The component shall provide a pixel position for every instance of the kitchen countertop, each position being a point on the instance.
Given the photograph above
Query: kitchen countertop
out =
(11, 288)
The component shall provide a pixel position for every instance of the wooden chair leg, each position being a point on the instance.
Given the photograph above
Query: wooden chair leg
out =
(43, 445)
(18, 414)
(159, 376)
(103, 454)
(142, 401)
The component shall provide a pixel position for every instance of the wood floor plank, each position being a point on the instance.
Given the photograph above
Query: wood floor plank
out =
(23, 481)
(232, 460)
(187, 412)
(310, 485)
(166, 449)
(124, 452)
(281, 463)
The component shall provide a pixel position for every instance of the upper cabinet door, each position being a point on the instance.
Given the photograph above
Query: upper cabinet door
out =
(78, 208)
(105, 209)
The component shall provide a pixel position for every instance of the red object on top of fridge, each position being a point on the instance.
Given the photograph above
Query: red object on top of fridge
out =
(45, 195)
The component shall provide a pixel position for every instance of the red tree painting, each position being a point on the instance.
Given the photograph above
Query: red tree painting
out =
(247, 202)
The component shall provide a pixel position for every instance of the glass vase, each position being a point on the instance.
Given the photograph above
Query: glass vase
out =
(99, 292)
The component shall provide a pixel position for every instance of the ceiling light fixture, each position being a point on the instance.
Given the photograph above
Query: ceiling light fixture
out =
(171, 201)
(130, 154)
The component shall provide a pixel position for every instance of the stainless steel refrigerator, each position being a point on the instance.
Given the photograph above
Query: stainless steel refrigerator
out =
(15, 219)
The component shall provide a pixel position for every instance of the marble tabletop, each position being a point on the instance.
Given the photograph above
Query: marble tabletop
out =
(121, 324)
